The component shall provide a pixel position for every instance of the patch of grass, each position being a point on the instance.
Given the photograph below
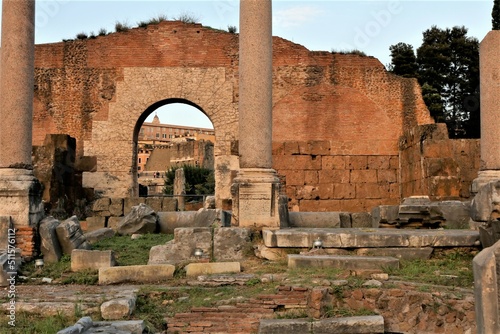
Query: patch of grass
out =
(81, 35)
(350, 52)
(37, 324)
(187, 17)
(450, 269)
(52, 270)
(89, 277)
(314, 273)
(331, 312)
(130, 252)
(155, 303)
(121, 26)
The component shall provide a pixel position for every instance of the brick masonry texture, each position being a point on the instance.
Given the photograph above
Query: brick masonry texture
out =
(418, 312)
(337, 119)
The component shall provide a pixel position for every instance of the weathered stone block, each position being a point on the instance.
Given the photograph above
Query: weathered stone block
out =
(342, 262)
(169, 204)
(412, 253)
(128, 326)
(70, 235)
(142, 219)
(314, 219)
(361, 219)
(196, 269)
(49, 243)
(119, 308)
(81, 326)
(363, 238)
(276, 326)
(186, 240)
(100, 234)
(455, 213)
(95, 223)
(384, 214)
(486, 289)
(130, 202)
(232, 243)
(101, 204)
(155, 203)
(91, 259)
(138, 274)
(113, 222)
(116, 207)
(373, 324)
(5, 225)
(486, 204)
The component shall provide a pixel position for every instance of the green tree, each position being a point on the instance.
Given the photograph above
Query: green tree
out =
(199, 180)
(403, 60)
(448, 71)
(495, 15)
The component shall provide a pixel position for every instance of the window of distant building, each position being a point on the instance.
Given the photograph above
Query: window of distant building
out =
(140, 160)
(157, 135)
(164, 135)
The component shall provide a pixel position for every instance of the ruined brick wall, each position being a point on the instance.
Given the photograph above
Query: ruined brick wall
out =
(433, 165)
(100, 90)
(317, 179)
(404, 310)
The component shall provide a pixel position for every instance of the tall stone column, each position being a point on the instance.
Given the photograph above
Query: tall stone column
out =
(256, 188)
(20, 192)
(489, 66)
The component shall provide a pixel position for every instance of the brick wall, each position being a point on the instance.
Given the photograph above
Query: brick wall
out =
(433, 165)
(418, 312)
(315, 179)
(337, 119)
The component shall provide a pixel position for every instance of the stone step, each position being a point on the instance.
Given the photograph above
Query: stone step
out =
(369, 237)
(342, 262)
(349, 325)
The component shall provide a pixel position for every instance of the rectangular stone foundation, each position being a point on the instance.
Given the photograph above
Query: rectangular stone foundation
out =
(256, 199)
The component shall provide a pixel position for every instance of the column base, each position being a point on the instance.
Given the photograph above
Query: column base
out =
(483, 178)
(20, 197)
(255, 193)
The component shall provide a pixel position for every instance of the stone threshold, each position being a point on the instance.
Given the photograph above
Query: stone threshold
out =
(348, 325)
(376, 263)
(369, 238)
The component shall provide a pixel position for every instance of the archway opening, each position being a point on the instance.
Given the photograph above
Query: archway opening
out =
(170, 133)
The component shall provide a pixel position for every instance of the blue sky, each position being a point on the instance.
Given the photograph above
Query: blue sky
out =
(369, 26)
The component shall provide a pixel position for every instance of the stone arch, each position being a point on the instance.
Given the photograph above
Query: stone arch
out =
(142, 90)
(138, 126)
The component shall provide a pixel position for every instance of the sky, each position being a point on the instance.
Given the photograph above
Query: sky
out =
(368, 26)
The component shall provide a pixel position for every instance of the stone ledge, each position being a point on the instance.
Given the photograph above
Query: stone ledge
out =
(369, 237)
(349, 325)
(82, 259)
(343, 262)
(138, 273)
(196, 269)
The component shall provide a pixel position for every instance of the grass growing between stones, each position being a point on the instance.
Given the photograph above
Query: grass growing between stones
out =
(127, 252)
(452, 269)
(26, 323)
(130, 252)
(155, 303)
